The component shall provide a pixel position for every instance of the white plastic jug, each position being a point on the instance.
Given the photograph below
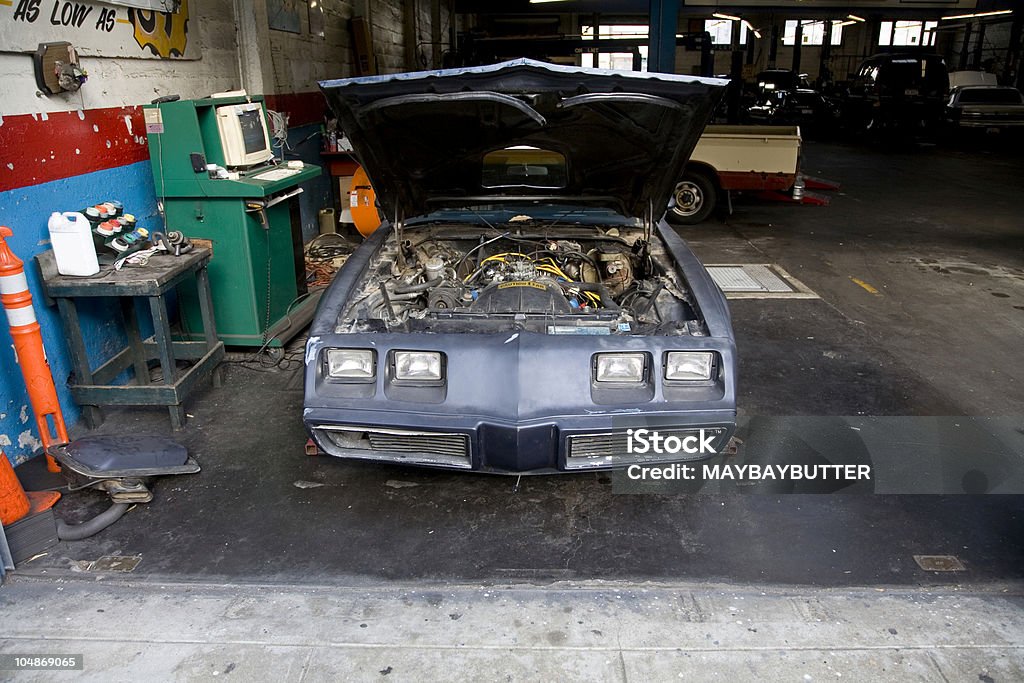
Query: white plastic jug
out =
(73, 247)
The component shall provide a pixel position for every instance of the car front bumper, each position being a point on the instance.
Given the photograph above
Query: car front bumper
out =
(990, 123)
(515, 403)
(569, 444)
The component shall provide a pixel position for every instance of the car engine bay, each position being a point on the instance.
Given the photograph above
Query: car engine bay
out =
(588, 280)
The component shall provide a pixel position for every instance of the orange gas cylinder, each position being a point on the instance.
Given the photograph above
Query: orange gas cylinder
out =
(363, 203)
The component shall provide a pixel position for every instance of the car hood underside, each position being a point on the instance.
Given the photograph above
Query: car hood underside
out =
(423, 136)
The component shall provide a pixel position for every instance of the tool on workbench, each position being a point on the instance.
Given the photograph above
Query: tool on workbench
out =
(172, 242)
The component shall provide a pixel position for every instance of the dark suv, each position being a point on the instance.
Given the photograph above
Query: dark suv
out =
(899, 92)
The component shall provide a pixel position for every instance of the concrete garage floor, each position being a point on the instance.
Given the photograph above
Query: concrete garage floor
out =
(828, 583)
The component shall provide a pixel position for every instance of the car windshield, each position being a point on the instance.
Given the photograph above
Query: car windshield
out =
(921, 72)
(524, 166)
(524, 213)
(991, 96)
(777, 80)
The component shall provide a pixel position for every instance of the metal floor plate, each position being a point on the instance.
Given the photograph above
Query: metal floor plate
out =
(939, 563)
(112, 563)
(758, 281)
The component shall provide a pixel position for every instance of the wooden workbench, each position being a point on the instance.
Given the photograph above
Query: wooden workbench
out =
(92, 388)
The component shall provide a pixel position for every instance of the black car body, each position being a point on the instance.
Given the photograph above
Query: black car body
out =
(813, 112)
(774, 80)
(523, 243)
(985, 107)
(899, 92)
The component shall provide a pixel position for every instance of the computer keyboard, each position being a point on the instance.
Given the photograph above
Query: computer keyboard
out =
(276, 174)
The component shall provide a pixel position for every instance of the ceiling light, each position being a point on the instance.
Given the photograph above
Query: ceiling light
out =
(845, 23)
(718, 15)
(977, 14)
(541, 2)
(855, 17)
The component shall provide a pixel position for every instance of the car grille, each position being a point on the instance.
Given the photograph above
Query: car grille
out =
(611, 449)
(446, 444)
(397, 445)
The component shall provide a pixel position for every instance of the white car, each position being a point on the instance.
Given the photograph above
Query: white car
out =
(987, 107)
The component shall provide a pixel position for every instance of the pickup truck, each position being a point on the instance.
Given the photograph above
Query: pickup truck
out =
(734, 158)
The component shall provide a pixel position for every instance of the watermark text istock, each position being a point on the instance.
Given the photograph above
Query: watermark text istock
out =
(649, 441)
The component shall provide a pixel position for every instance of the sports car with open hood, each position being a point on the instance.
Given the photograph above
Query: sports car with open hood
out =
(524, 305)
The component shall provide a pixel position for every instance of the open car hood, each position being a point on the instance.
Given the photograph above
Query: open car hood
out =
(423, 136)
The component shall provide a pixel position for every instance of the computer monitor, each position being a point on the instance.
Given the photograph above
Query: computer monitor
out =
(243, 135)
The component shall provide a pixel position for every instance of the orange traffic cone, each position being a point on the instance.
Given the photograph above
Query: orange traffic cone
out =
(28, 346)
(13, 502)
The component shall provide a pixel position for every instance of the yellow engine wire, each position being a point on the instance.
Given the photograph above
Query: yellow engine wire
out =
(553, 269)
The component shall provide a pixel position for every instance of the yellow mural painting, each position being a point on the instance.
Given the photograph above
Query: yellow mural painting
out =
(164, 33)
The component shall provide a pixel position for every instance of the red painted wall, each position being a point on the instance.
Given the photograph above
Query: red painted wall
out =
(303, 108)
(38, 148)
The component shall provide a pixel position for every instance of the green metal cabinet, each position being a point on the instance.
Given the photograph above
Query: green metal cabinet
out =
(257, 273)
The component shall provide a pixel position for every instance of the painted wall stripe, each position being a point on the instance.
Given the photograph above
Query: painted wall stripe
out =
(12, 284)
(303, 108)
(39, 148)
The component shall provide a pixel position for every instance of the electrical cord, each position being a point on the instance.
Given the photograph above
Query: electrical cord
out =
(317, 252)
(479, 246)
(279, 129)
(259, 360)
(266, 326)
(324, 260)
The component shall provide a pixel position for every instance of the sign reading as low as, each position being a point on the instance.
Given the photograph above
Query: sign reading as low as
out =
(97, 29)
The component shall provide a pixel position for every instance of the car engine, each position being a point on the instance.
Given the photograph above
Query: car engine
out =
(611, 282)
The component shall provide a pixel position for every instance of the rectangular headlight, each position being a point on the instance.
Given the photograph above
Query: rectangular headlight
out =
(620, 367)
(421, 366)
(689, 365)
(351, 364)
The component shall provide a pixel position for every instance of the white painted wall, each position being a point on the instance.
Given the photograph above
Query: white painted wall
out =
(122, 81)
(296, 61)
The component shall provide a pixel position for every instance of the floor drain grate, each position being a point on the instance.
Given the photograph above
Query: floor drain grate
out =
(939, 563)
(758, 281)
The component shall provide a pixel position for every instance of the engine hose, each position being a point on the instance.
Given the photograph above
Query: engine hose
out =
(650, 300)
(601, 290)
(421, 287)
(76, 532)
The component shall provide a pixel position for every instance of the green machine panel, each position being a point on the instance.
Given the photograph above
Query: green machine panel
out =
(257, 273)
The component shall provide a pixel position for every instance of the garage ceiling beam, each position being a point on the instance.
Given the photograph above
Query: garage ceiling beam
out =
(664, 21)
(255, 71)
(1012, 70)
(435, 33)
(410, 34)
(794, 8)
